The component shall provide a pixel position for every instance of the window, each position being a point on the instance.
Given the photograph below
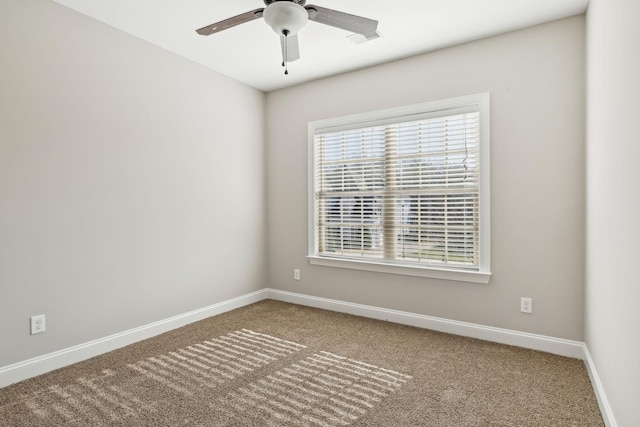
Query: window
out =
(404, 190)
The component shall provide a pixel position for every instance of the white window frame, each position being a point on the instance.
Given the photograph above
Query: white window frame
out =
(481, 102)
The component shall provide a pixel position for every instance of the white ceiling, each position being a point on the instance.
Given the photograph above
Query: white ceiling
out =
(250, 52)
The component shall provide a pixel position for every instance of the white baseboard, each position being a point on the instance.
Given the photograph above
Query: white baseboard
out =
(544, 343)
(39, 365)
(603, 402)
(42, 364)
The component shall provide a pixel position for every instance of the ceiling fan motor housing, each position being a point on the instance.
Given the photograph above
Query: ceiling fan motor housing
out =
(300, 2)
(285, 17)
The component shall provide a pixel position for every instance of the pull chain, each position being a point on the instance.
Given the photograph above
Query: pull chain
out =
(285, 54)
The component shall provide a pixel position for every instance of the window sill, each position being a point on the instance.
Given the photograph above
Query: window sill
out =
(407, 270)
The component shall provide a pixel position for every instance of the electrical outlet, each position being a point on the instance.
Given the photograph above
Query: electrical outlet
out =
(526, 305)
(296, 274)
(38, 324)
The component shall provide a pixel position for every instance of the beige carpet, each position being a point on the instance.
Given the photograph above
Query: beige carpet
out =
(278, 364)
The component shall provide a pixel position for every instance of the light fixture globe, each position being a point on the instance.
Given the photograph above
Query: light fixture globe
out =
(285, 17)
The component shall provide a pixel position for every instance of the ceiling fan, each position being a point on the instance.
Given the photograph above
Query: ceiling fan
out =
(287, 17)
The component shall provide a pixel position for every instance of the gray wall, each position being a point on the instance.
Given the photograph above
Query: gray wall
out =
(115, 164)
(613, 202)
(536, 80)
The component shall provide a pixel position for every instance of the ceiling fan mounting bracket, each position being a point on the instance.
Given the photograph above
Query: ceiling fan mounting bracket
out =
(300, 2)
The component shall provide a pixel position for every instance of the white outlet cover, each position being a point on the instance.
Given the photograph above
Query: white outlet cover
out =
(38, 324)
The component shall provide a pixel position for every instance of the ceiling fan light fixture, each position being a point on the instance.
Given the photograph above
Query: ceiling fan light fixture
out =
(285, 17)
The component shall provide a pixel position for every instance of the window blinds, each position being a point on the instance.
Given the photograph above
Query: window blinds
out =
(405, 191)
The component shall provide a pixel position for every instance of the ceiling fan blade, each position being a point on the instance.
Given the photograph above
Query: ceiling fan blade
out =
(230, 22)
(357, 24)
(292, 48)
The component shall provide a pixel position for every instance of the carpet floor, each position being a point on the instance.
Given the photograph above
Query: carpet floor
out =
(279, 364)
